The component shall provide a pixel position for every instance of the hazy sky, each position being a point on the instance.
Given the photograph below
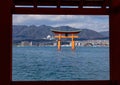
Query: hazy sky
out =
(93, 22)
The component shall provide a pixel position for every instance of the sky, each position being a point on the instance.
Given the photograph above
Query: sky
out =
(94, 22)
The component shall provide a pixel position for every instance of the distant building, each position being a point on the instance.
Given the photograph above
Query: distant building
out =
(49, 37)
(26, 43)
(92, 43)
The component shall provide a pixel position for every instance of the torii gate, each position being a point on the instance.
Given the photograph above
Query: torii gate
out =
(66, 34)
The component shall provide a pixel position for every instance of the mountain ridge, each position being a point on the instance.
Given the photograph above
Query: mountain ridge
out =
(24, 32)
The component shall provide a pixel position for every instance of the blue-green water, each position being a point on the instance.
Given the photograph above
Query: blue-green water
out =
(46, 63)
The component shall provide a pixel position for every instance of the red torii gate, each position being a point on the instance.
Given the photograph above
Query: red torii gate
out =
(66, 34)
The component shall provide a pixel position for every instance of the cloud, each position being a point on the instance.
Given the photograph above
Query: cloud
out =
(97, 23)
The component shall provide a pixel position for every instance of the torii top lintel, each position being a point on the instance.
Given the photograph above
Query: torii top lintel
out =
(66, 32)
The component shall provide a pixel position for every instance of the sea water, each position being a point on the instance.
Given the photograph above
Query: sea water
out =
(49, 64)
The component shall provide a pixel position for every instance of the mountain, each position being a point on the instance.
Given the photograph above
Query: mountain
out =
(105, 33)
(31, 32)
(23, 32)
(90, 34)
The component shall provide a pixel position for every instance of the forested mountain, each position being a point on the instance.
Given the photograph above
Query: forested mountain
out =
(23, 32)
(105, 33)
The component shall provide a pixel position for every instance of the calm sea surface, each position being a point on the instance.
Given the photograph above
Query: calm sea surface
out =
(46, 63)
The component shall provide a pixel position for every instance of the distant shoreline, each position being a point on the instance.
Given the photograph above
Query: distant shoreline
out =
(85, 43)
(61, 46)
